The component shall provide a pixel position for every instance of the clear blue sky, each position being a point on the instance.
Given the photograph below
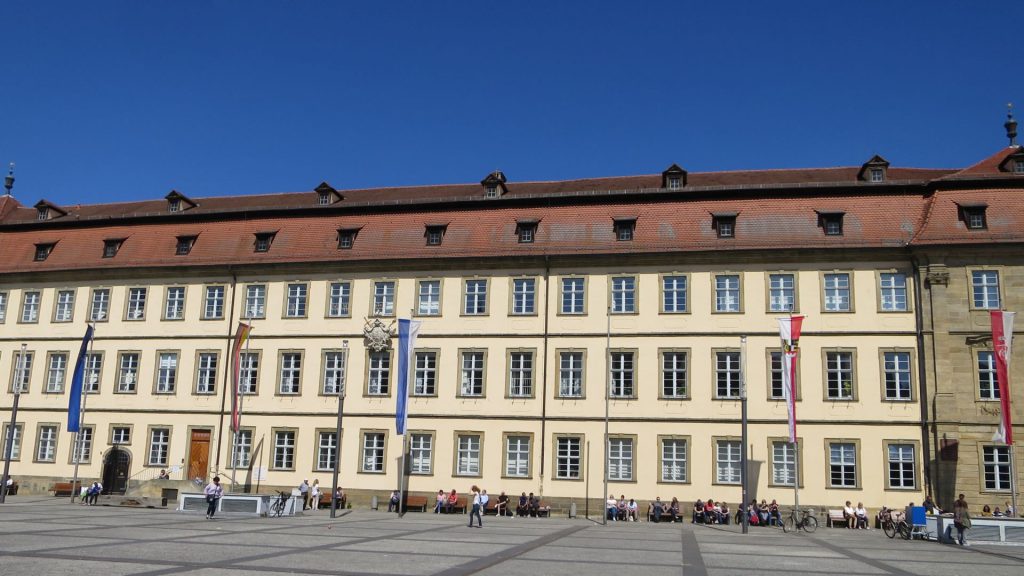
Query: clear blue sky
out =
(108, 101)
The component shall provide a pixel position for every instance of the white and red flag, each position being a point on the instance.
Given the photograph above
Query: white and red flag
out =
(1002, 340)
(789, 331)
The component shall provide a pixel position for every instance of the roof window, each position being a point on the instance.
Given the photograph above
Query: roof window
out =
(43, 251)
(526, 231)
(347, 238)
(263, 241)
(111, 247)
(435, 234)
(874, 170)
(673, 178)
(494, 184)
(831, 223)
(724, 224)
(624, 228)
(326, 194)
(184, 245)
(178, 202)
(973, 215)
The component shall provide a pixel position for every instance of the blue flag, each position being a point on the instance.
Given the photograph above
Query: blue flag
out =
(75, 394)
(407, 332)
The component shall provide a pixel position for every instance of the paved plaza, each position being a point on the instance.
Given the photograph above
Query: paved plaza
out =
(42, 536)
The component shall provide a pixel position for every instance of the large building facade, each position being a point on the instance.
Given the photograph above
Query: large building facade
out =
(544, 305)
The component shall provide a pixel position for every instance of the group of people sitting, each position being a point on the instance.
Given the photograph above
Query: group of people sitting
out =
(621, 509)
(763, 514)
(710, 512)
(528, 506)
(997, 512)
(857, 517)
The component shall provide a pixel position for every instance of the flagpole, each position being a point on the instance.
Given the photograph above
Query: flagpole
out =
(81, 415)
(607, 403)
(401, 467)
(237, 426)
(744, 476)
(12, 428)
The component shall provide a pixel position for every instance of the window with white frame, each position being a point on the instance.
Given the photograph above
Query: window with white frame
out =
(727, 375)
(384, 298)
(467, 461)
(783, 463)
(524, 295)
(284, 449)
(996, 462)
(46, 446)
(985, 289)
(421, 448)
(30, 307)
(893, 288)
(136, 309)
(520, 377)
(99, 307)
(988, 384)
(472, 373)
(673, 374)
(243, 448)
(334, 373)
(902, 466)
(475, 297)
(248, 372)
(159, 446)
(295, 301)
(93, 369)
(727, 461)
(896, 367)
(570, 374)
(64, 309)
(81, 452)
(623, 295)
(839, 375)
(255, 301)
(121, 435)
(3, 307)
(775, 381)
(573, 293)
(673, 294)
(781, 292)
(373, 452)
(206, 373)
(378, 383)
(213, 305)
(568, 450)
(128, 372)
(339, 299)
(622, 375)
(837, 292)
(620, 459)
(174, 306)
(842, 461)
(727, 293)
(429, 298)
(22, 373)
(15, 448)
(167, 373)
(517, 456)
(326, 449)
(56, 372)
(291, 373)
(426, 374)
(673, 460)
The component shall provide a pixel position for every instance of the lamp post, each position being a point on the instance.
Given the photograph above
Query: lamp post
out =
(339, 384)
(13, 426)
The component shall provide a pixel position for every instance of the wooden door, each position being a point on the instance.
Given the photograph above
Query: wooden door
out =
(199, 455)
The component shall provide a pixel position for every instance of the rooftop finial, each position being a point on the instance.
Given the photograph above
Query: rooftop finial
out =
(1010, 125)
(9, 179)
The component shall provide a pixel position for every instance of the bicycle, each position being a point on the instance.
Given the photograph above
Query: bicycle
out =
(806, 522)
(279, 505)
(892, 522)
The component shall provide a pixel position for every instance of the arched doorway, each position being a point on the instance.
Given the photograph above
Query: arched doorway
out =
(116, 464)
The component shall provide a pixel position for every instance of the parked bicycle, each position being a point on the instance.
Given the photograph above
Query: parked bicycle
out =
(278, 507)
(800, 521)
(890, 521)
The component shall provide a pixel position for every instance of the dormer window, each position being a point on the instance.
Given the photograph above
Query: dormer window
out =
(1018, 166)
(42, 213)
(347, 238)
(174, 205)
(673, 178)
(43, 251)
(263, 241)
(110, 247)
(831, 223)
(492, 192)
(724, 224)
(874, 170)
(494, 184)
(973, 216)
(178, 202)
(46, 210)
(526, 231)
(624, 229)
(435, 234)
(326, 195)
(877, 175)
(323, 198)
(184, 245)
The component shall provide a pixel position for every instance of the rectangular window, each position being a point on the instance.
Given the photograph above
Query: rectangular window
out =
(567, 457)
(673, 460)
(184, 245)
(174, 306)
(3, 307)
(326, 449)
(985, 289)
(727, 462)
(263, 241)
(159, 446)
(673, 374)
(82, 451)
(384, 298)
(30, 307)
(255, 301)
(295, 303)
(623, 295)
(339, 299)
(206, 373)
(988, 384)
(56, 371)
(996, 460)
(373, 452)
(346, 238)
(284, 450)
(520, 377)
(21, 371)
(622, 375)
(136, 304)
(896, 366)
(894, 292)
(167, 373)
(334, 373)
(15, 449)
(775, 382)
(93, 369)
(517, 456)
(781, 292)
(783, 464)
(526, 232)
(421, 447)
(378, 383)
(570, 374)
(64, 309)
(46, 447)
(291, 373)
(213, 305)
(902, 466)
(243, 448)
(673, 294)
(624, 230)
(524, 295)
(727, 375)
(842, 463)
(727, 293)
(249, 372)
(573, 293)
(127, 372)
(472, 374)
(620, 459)
(426, 374)
(475, 297)
(837, 292)
(99, 308)
(429, 298)
(467, 461)
(121, 435)
(839, 375)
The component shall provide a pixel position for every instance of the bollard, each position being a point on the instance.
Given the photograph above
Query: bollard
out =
(572, 509)
(373, 502)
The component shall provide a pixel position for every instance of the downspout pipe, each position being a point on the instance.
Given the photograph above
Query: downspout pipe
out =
(544, 370)
(922, 369)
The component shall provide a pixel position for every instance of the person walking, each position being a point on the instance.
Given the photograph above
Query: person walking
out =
(961, 519)
(304, 493)
(213, 492)
(476, 509)
(314, 495)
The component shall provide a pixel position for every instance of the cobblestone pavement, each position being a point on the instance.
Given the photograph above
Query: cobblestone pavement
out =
(48, 537)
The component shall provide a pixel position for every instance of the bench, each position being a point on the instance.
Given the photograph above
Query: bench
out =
(543, 510)
(416, 502)
(460, 505)
(65, 488)
(836, 516)
(325, 501)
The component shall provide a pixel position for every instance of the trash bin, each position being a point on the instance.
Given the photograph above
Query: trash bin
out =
(168, 494)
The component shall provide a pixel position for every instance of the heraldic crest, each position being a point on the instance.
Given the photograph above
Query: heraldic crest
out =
(378, 335)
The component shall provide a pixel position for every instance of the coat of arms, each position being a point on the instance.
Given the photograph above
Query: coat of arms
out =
(378, 335)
